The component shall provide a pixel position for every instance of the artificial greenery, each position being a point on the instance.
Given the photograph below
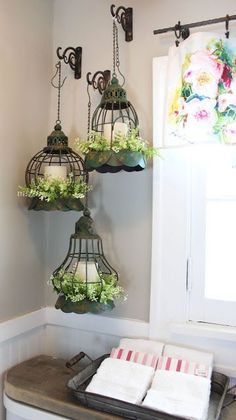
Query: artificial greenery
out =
(75, 290)
(50, 189)
(131, 142)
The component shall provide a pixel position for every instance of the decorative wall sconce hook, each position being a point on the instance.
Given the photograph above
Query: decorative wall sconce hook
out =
(73, 57)
(99, 80)
(125, 17)
(181, 32)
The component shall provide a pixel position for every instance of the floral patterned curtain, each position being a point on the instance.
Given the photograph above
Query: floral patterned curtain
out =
(201, 91)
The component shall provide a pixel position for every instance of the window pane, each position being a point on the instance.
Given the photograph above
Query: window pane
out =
(220, 261)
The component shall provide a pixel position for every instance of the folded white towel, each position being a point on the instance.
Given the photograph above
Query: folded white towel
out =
(179, 394)
(139, 344)
(112, 390)
(187, 409)
(191, 355)
(125, 373)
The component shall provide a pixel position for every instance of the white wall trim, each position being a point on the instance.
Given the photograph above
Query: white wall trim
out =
(98, 324)
(209, 331)
(22, 324)
(87, 322)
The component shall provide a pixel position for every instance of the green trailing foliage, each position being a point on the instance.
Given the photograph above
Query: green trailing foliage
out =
(75, 290)
(131, 142)
(50, 189)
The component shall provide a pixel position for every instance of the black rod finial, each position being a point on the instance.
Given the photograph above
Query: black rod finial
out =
(227, 26)
(181, 32)
(73, 57)
(124, 15)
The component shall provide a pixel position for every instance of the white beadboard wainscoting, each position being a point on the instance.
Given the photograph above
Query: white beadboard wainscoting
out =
(68, 334)
(14, 350)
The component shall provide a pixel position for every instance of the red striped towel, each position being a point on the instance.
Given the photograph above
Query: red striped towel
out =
(146, 359)
(179, 365)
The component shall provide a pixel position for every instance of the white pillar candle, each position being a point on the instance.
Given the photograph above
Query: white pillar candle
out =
(107, 131)
(55, 171)
(92, 274)
(119, 128)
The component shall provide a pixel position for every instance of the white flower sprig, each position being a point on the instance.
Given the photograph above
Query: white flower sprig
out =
(50, 189)
(130, 142)
(76, 290)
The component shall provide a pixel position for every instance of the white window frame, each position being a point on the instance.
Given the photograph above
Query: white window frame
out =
(169, 297)
(168, 263)
(215, 311)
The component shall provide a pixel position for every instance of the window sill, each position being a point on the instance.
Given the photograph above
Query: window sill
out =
(210, 331)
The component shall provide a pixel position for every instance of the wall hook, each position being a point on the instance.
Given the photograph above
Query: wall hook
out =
(99, 80)
(125, 17)
(58, 72)
(73, 57)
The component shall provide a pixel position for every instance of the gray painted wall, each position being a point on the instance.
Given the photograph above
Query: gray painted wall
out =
(25, 46)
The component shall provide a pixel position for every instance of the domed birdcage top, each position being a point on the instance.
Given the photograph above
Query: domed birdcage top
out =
(114, 95)
(114, 107)
(57, 137)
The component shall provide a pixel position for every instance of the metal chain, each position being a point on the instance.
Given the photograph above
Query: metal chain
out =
(117, 48)
(114, 47)
(116, 58)
(58, 65)
(58, 87)
(89, 109)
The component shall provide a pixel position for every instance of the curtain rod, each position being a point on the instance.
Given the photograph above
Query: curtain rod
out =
(226, 19)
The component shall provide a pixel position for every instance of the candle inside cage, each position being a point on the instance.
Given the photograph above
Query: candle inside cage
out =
(119, 128)
(87, 271)
(55, 171)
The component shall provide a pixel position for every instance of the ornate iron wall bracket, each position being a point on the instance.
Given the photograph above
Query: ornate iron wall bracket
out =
(125, 17)
(99, 80)
(73, 57)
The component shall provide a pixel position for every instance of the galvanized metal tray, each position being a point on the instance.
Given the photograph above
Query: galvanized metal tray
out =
(120, 408)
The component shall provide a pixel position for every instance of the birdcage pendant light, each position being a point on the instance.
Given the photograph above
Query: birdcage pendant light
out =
(114, 119)
(57, 166)
(85, 281)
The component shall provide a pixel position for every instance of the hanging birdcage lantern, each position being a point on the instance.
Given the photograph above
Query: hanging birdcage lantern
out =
(85, 281)
(114, 125)
(56, 178)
